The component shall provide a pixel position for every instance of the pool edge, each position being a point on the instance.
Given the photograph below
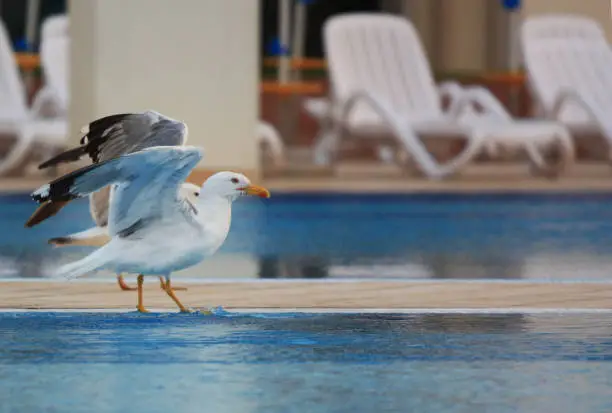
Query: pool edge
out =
(348, 311)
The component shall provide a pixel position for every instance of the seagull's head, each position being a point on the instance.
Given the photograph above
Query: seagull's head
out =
(231, 185)
(190, 191)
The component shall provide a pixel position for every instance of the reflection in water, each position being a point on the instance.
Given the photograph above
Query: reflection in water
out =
(29, 265)
(435, 266)
(35, 263)
(310, 362)
(289, 337)
(464, 266)
(7, 267)
(275, 267)
(410, 237)
(401, 323)
(474, 323)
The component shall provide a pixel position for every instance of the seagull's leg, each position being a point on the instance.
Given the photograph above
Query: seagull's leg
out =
(162, 285)
(167, 286)
(123, 285)
(140, 306)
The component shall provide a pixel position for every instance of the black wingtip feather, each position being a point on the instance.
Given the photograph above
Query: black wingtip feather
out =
(60, 190)
(71, 155)
(90, 142)
(95, 136)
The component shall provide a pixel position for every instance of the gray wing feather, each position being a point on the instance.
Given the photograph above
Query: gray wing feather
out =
(150, 196)
(139, 131)
(144, 185)
(134, 132)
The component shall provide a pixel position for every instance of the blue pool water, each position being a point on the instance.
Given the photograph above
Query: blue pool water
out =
(283, 363)
(508, 236)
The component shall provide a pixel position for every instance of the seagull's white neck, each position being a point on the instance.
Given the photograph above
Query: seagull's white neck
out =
(214, 212)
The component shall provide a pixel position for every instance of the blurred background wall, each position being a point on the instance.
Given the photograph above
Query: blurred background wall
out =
(14, 13)
(466, 34)
(117, 66)
(473, 34)
(598, 10)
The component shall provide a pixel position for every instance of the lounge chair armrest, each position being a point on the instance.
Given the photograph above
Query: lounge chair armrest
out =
(268, 134)
(400, 127)
(319, 108)
(343, 108)
(449, 93)
(571, 96)
(450, 89)
(483, 99)
(46, 95)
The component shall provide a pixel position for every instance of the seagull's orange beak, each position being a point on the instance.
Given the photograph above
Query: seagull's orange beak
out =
(255, 190)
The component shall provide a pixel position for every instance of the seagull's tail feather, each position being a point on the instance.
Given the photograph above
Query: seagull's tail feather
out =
(44, 211)
(141, 167)
(93, 237)
(92, 262)
(77, 184)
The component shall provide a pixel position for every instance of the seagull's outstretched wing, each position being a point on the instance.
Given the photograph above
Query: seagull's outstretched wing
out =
(147, 184)
(116, 135)
(109, 137)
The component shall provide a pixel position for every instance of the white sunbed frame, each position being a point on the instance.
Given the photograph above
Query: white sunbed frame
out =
(382, 83)
(568, 62)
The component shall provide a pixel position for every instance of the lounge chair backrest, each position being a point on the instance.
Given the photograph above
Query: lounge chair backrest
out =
(567, 54)
(561, 26)
(382, 55)
(56, 25)
(55, 61)
(13, 103)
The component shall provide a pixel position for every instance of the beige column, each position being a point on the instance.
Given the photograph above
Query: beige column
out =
(193, 60)
(498, 37)
(422, 13)
(598, 10)
(463, 33)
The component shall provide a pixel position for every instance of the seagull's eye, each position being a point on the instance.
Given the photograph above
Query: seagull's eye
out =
(197, 194)
(235, 180)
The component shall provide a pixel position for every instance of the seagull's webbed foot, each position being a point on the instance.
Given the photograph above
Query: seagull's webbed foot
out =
(140, 307)
(123, 285)
(162, 285)
(167, 287)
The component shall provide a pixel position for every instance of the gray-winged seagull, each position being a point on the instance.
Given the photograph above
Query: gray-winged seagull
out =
(106, 138)
(152, 229)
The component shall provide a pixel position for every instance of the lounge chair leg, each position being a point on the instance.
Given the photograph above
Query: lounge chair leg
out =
(323, 148)
(17, 153)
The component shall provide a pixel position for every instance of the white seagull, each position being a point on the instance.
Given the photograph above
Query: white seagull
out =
(153, 229)
(107, 138)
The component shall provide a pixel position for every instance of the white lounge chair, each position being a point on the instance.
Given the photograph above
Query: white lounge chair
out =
(273, 146)
(54, 49)
(55, 25)
(570, 72)
(382, 84)
(16, 119)
(561, 26)
(54, 57)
